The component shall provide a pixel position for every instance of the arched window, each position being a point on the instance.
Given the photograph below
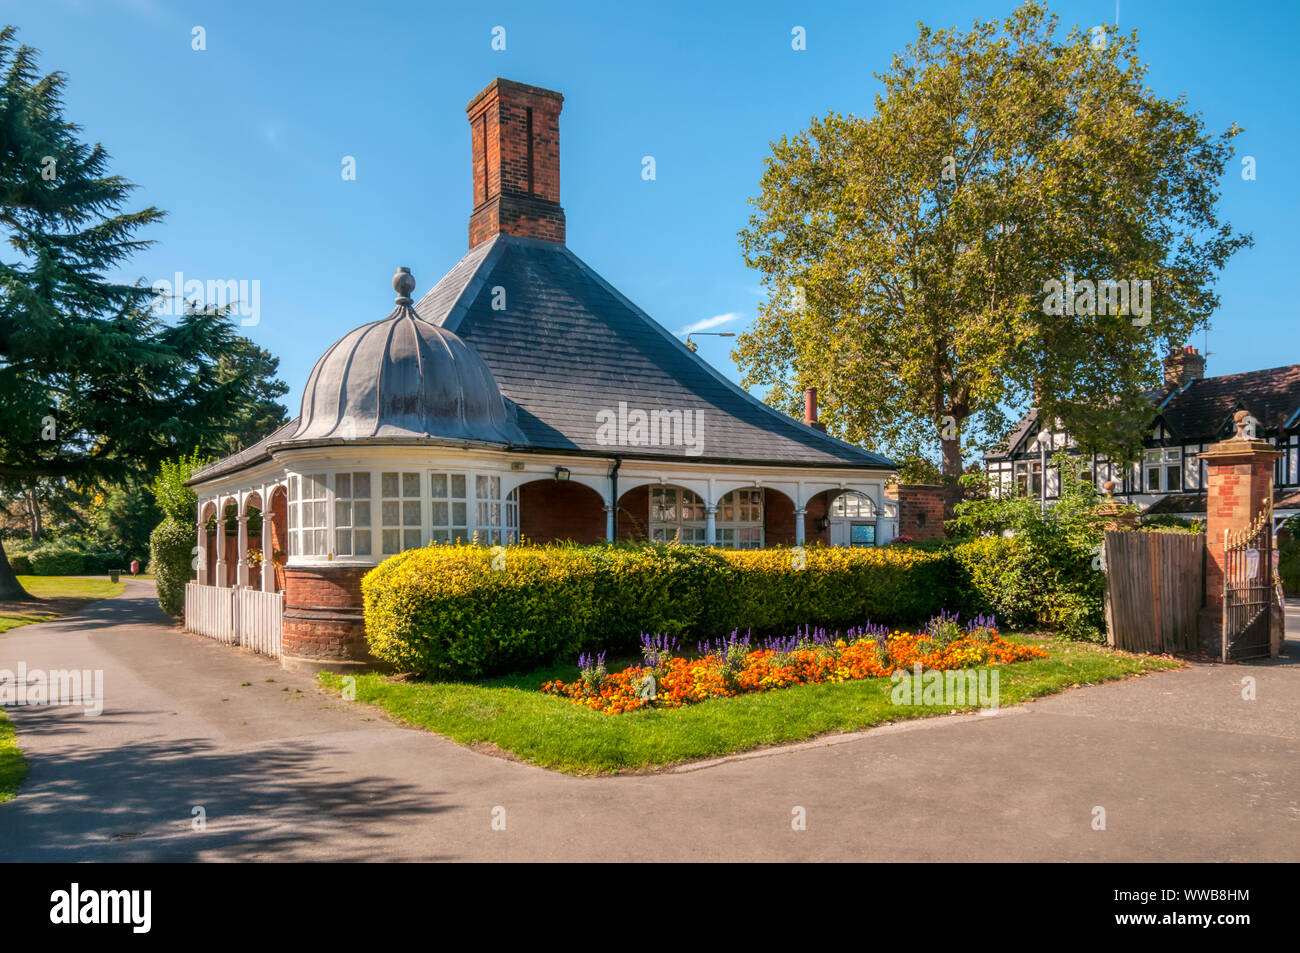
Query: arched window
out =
(853, 505)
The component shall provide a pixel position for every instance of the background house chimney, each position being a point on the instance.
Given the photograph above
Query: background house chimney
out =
(515, 136)
(1184, 365)
(810, 409)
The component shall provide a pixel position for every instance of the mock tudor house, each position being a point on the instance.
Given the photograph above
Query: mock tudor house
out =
(1190, 413)
(521, 397)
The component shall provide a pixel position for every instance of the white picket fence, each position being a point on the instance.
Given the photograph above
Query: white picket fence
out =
(236, 615)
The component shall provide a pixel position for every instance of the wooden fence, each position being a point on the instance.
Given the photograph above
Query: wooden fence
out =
(1155, 583)
(236, 616)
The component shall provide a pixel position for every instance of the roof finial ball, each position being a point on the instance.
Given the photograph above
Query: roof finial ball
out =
(403, 284)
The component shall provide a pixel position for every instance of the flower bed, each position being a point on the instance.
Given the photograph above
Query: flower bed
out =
(732, 666)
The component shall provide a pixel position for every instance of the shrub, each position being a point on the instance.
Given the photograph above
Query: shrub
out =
(1051, 575)
(1169, 523)
(171, 546)
(57, 561)
(443, 611)
(21, 564)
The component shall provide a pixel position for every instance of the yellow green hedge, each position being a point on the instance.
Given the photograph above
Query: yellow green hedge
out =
(444, 611)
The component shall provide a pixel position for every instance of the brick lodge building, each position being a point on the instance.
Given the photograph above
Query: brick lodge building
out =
(1190, 412)
(521, 397)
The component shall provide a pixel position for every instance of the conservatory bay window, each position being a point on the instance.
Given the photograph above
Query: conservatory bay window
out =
(307, 515)
(448, 508)
(352, 514)
(399, 510)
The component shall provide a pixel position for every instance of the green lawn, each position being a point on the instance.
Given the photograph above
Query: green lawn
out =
(513, 715)
(64, 594)
(13, 767)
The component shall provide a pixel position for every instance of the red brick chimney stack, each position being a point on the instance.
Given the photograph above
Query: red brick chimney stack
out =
(515, 136)
(810, 409)
(1184, 365)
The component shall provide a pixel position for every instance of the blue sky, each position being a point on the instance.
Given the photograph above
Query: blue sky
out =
(242, 143)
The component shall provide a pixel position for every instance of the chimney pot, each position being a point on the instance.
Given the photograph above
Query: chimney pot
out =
(1184, 365)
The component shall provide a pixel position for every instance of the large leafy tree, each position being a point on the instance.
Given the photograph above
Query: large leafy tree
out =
(95, 386)
(908, 254)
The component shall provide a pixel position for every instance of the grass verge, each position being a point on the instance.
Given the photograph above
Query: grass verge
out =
(513, 715)
(53, 596)
(13, 766)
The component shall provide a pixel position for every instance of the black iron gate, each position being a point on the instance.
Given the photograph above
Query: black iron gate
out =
(1248, 596)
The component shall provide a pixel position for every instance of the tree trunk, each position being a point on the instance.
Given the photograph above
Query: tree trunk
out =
(10, 588)
(34, 516)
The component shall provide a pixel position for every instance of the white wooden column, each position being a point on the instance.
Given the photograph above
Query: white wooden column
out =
(202, 527)
(241, 566)
(609, 524)
(268, 567)
(221, 580)
(800, 519)
(711, 524)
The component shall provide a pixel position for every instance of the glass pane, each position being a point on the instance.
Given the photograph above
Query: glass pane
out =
(293, 488)
(496, 488)
(438, 513)
(440, 536)
(343, 485)
(438, 485)
(361, 539)
(318, 514)
(320, 541)
(342, 542)
(388, 484)
(293, 544)
(318, 486)
(410, 484)
(411, 539)
(361, 514)
(481, 487)
(458, 514)
(342, 513)
(361, 486)
(391, 514)
(411, 513)
(458, 486)
(391, 539)
(293, 516)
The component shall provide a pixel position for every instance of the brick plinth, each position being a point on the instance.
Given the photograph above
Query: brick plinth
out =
(921, 510)
(1239, 487)
(324, 626)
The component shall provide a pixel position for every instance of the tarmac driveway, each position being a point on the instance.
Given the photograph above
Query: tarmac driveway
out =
(1184, 768)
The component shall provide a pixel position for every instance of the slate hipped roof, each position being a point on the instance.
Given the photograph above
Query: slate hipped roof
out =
(562, 347)
(567, 345)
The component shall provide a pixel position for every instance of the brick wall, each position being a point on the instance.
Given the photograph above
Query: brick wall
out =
(634, 514)
(921, 511)
(552, 510)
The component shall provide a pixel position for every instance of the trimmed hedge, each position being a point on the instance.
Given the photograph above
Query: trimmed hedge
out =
(62, 559)
(171, 555)
(444, 611)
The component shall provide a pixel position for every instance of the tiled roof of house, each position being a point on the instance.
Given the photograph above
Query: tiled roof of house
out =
(1203, 410)
(567, 346)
